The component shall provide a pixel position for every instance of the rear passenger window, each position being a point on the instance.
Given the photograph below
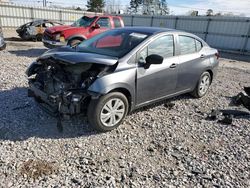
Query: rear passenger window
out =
(198, 45)
(163, 46)
(187, 45)
(117, 22)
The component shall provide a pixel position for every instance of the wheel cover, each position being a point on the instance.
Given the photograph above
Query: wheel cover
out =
(112, 112)
(204, 85)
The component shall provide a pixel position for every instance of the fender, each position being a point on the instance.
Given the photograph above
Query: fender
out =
(109, 88)
(77, 36)
(117, 80)
(103, 91)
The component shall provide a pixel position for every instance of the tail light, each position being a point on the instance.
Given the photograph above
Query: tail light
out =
(217, 55)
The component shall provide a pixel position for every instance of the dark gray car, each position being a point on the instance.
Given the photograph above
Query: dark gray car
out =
(34, 30)
(120, 70)
(2, 42)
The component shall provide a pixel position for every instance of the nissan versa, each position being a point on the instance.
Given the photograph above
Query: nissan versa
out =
(120, 70)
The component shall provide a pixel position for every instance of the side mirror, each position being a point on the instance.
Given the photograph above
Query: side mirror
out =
(153, 59)
(96, 26)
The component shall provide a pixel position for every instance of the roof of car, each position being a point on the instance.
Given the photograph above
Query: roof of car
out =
(100, 16)
(149, 30)
(42, 20)
(156, 30)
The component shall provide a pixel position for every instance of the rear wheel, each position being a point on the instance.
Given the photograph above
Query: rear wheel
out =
(203, 85)
(74, 42)
(107, 112)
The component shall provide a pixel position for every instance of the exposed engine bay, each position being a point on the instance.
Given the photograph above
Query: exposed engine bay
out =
(62, 88)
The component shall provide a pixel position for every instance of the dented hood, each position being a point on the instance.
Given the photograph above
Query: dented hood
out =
(58, 28)
(70, 55)
(67, 31)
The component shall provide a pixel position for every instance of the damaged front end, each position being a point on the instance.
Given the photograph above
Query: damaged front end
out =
(24, 31)
(61, 88)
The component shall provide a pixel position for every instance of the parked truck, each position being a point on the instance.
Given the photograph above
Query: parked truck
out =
(82, 29)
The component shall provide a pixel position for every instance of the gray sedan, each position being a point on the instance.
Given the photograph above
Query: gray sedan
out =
(120, 70)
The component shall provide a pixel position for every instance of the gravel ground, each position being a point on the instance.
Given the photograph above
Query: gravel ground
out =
(154, 147)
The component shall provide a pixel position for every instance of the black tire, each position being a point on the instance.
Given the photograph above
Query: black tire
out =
(39, 37)
(197, 91)
(96, 107)
(74, 42)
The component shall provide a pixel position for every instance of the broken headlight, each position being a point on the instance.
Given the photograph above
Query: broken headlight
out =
(58, 37)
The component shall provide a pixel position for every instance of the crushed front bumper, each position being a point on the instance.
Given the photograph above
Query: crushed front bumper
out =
(66, 104)
(43, 99)
(53, 44)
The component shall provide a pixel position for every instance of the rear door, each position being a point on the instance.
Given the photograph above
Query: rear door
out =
(158, 80)
(192, 61)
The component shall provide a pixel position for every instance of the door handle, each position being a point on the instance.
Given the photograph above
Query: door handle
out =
(173, 66)
(202, 56)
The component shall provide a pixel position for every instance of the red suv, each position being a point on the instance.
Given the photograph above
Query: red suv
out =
(82, 29)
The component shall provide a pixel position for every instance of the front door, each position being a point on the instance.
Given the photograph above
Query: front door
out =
(104, 23)
(158, 80)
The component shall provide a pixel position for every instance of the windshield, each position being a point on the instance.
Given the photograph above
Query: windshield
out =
(116, 43)
(83, 21)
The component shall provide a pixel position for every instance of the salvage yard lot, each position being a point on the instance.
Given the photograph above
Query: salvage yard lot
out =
(157, 146)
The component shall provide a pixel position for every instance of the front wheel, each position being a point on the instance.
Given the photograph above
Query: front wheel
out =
(39, 37)
(203, 85)
(107, 112)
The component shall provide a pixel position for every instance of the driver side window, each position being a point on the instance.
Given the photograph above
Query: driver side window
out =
(104, 22)
(163, 46)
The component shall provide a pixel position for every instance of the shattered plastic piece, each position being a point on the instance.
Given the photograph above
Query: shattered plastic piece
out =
(247, 90)
(228, 120)
(169, 105)
(243, 99)
(235, 113)
(214, 115)
(240, 99)
(227, 115)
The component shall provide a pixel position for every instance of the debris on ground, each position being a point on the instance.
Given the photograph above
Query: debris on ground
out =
(227, 120)
(226, 116)
(169, 105)
(37, 168)
(243, 99)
